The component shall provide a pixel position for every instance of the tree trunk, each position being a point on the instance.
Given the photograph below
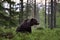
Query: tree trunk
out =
(45, 13)
(21, 12)
(10, 15)
(27, 10)
(34, 8)
(52, 14)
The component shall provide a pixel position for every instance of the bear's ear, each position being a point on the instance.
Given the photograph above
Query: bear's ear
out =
(32, 19)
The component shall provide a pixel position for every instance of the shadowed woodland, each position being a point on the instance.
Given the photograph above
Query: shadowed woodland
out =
(30, 20)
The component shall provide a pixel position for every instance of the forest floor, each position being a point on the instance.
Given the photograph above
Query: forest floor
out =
(37, 34)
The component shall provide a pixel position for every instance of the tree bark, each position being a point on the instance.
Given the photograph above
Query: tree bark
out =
(34, 8)
(45, 13)
(21, 12)
(52, 14)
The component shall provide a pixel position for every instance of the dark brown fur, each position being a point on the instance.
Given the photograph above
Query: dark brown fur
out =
(26, 25)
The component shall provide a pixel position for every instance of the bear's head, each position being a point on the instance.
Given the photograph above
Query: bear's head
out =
(34, 22)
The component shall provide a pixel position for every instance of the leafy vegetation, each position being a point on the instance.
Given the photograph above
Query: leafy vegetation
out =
(43, 34)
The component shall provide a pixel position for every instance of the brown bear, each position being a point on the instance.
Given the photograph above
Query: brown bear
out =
(26, 25)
